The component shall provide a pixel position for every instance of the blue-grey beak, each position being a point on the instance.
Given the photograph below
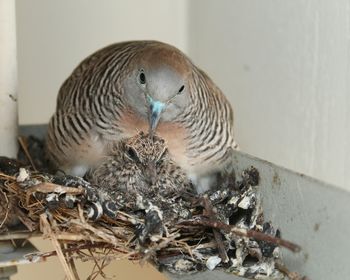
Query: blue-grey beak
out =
(156, 109)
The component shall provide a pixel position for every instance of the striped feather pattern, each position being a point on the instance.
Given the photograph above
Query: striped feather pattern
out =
(91, 103)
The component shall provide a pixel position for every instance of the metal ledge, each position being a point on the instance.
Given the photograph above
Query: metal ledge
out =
(309, 212)
(16, 256)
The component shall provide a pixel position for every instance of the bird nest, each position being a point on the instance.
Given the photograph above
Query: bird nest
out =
(182, 234)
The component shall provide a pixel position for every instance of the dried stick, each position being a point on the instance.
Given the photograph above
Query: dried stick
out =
(47, 229)
(103, 235)
(209, 212)
(105, 261)
(18, 235)
(71, 263)
(7, 177)
(43, 256)
(7, 202)
(200, 221)
(23, 145)
(47, 187)
(95, 273)
(31, 226)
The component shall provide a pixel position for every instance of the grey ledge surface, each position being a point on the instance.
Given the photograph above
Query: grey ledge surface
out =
(311, 213)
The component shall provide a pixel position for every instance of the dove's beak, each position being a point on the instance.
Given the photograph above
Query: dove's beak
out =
(156, 109)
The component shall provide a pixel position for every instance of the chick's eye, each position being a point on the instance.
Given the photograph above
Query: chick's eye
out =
(142, 78)
(132, 154)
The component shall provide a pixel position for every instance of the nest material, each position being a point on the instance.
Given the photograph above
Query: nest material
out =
(223, 228)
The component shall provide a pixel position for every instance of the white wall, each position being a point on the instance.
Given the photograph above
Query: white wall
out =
(285, 66)
(8, 79)
(54, 36)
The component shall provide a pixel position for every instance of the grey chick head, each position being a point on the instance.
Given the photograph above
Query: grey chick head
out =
(140, 164)
(147, 153)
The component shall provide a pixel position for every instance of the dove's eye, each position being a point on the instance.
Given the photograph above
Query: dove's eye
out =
(181, 89)
(142, 77)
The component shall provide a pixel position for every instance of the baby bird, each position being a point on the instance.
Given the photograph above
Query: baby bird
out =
(140, 164)
(139, 175)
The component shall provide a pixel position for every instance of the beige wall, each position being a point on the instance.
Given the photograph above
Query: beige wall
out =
(8, 79)
(54, 36)
(285, 66)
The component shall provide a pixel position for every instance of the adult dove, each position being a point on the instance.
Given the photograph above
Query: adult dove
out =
(131, 86)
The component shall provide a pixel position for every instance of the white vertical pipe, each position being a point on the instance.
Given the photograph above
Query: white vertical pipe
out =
(8, 79)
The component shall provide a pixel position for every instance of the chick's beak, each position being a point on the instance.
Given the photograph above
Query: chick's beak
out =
(151, 173)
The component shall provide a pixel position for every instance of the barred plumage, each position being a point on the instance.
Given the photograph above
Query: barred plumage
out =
(139, 164)
(112, 93)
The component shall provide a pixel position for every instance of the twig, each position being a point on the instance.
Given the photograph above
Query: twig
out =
(99, 271)
(104, 259)
(61, 257)
(23, 145)
(47, 187)
(31, 226)
(103, 235)
(71, 250)
(209, 212)
(47, 228)
(77, 237)
(243, 232)
(159, 246)
(74, 268)
(71, 263)
(7, 177)
(7, 208)
(18, 235)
